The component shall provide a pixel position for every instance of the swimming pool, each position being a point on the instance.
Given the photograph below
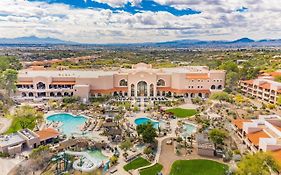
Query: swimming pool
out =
(144, 120)
(70, 124)
(188, 129)
(97, 155)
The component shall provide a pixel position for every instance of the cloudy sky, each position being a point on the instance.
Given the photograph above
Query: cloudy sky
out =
(131, 21)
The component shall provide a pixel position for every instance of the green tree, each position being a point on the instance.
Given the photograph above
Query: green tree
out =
(117, 118)
(38, 152)
(147, 150)
(279, 100)
(8, 80)
(217, 136)
(25, 117)
(147, 131)
(8, 62)
(126, 145)
(277, 78)
(221, 96)
(248, 71)
(257, 164)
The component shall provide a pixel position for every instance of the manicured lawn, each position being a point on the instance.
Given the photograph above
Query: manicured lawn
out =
(137, 163)
(182, 113)
(197, 167)
(152, 170)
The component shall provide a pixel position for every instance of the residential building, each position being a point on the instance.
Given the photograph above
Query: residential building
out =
(262, 134)
(140, 80)
(263, 88)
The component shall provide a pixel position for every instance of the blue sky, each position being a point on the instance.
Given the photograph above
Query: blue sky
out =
(131, 21)
(145, 5)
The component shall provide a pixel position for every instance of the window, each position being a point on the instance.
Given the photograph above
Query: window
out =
(161, 82)
(123, 82)
(41, 85)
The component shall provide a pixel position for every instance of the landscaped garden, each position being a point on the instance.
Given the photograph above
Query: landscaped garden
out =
(152, 170)
(24, 117)
(198, 167)
(137, 163)
(182, 113)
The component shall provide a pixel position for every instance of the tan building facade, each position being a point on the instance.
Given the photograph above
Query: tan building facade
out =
(140, 81)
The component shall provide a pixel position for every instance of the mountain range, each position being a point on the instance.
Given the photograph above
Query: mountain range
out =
(243, 42)
(33, 40)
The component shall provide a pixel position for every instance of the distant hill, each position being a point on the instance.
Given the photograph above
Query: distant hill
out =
(33, 40)
(243, 40)
(239, 43)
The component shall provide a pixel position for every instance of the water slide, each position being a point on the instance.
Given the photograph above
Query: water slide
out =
(89, 163)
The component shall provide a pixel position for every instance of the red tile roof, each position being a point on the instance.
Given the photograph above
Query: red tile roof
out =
(239, 122)
(63, 83)
(108, 91)
(197, 76)
(167, 89)
(24, 83)
(47, 133)
(248, 81)
(255, 137)
(265, 85)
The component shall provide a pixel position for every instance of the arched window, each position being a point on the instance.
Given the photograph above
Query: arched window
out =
(123, 82)
(213, 87)
(151, 90)
(115, 93)
(66, 94)
(30, 94)
(59, 94)
(186, 94)
(200, 95)
(132, 90)
(121, 93)
(23, 94)
(52, 94)
(219, 86)
(169, 94)
(192, 95)
(161, 82)
(41, 85)
(142, 88)
(158, 93)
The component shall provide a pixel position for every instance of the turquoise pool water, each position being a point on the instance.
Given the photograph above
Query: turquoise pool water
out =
(98, 156)
(144, 120)
(188, 130)
(71, 124)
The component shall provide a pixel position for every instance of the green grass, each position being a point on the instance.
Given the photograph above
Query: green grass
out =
(182, 113)
(19, 122)
(137, 163)
(152, 170)
(198, 167)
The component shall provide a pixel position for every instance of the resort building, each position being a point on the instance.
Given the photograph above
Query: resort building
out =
(263, 88)
(140, 80)
(26, 139)
(262, 134)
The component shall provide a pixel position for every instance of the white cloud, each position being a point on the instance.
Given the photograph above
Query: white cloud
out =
(218, 20)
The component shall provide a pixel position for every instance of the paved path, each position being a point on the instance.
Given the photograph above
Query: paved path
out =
(6, 165)
(4, 124)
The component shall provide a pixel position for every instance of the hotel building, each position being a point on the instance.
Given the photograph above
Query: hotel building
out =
(262, 134)
(139, 81)
(263, 88)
